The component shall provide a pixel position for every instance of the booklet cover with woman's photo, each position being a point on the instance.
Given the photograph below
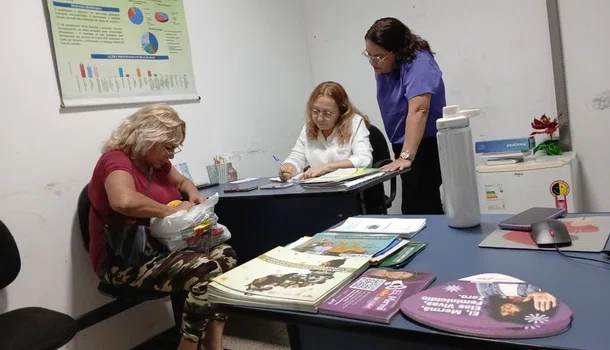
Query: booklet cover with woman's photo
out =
(491, 306)
(376, 295)
(285, 279)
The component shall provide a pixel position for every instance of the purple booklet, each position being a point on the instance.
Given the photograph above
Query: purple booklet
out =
(376, 295)
(490, 305)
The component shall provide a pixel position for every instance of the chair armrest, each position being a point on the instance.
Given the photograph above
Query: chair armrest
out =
(390, 199)
(381, 163)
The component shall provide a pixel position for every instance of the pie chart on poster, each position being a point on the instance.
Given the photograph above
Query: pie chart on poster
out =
(490, 305)
(161, 17)
(150, 43)
(135, 15)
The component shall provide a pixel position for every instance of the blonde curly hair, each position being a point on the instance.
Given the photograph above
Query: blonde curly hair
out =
(346, 111)
(150, 125)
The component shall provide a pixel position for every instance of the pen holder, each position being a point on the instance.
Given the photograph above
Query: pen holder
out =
(218, 173)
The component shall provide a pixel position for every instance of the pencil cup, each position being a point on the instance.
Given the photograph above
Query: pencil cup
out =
(218, 173)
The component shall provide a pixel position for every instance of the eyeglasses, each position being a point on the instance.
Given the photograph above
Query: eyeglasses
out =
(375, 59)
(325, 114)
(170, 150)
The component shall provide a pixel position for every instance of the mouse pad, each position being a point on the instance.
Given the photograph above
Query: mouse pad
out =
(589, 234)
(490, 305)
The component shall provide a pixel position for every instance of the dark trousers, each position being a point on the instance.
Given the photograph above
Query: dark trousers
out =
(420, 185)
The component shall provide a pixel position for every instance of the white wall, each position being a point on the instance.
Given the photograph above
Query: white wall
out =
(252, 72)
(495, 55)
(585, 29)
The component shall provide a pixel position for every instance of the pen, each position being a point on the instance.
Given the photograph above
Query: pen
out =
(279, 161)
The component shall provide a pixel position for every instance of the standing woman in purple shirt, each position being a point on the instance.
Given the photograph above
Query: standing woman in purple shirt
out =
(411, 97)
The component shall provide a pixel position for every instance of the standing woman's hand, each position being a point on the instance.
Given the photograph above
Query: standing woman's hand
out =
(287, 172)
(398, 164)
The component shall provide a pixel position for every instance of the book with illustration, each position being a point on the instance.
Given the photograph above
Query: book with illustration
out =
(346, 244)
(376, 295)
(285, 279)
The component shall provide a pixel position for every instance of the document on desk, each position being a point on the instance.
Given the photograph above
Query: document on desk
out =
(244, 180)
(296, 177)
(406, 228)
(353, 183)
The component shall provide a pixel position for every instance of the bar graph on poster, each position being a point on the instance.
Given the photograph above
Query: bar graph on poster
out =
(121, 51)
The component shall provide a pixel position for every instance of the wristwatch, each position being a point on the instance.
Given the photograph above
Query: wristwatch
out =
(406, 155)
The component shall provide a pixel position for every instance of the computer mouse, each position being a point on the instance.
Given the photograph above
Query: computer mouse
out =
(550, 234)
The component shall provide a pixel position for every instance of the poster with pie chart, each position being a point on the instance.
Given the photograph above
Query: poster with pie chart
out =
(125, 52)
(135, 15)
(161, 17)
(150, 43)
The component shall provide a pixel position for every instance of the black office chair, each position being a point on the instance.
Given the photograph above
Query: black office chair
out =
(129, 295)
(28, 328)
(375, 199)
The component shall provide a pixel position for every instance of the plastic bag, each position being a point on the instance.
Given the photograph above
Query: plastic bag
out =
(184, 229)
(214, 236)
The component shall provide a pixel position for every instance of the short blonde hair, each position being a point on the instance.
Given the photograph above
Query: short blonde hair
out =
(152, 124)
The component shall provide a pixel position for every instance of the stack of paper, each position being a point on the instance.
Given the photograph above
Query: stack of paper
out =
(285, 279)
(406, 228)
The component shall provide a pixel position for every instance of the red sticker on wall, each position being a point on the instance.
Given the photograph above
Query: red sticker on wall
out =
(560, 189)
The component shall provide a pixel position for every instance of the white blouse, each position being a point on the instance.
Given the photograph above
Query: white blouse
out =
(357, 150)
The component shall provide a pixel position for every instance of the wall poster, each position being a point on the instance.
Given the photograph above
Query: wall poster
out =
(121, 51)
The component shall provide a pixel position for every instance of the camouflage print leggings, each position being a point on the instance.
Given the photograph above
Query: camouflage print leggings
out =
(181, 270)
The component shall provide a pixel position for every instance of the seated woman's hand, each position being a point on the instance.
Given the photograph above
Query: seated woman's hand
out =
(196, 198)
(185, 205)
(287, 172)
(317, 171)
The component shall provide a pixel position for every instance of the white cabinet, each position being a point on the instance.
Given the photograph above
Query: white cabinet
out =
(547, 181)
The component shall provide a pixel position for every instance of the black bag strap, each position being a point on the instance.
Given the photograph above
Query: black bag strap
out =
(147, 193)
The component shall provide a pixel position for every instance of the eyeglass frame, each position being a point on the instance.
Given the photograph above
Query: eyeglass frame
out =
(375, 59)
(326, 115)
(174, 151)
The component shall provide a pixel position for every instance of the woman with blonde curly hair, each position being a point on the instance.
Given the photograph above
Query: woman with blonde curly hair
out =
(133, 181)
(335, 135)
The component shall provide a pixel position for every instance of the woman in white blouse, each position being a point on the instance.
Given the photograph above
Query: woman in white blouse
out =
(335, 136)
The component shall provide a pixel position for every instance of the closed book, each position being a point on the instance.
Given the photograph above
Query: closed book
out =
(521, 144)
(376, 295)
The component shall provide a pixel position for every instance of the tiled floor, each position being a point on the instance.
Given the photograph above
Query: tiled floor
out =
(240, 334)
(250, 334)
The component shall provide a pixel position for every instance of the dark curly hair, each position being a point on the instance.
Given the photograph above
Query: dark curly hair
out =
(528, 307)
(395, 36)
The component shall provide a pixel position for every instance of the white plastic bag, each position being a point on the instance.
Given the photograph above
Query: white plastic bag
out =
(174, 230)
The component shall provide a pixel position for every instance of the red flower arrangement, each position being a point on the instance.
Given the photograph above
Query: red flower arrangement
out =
(544, 125)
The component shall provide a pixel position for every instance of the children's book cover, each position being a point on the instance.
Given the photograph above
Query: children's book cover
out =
(288, 274)
(346, 244)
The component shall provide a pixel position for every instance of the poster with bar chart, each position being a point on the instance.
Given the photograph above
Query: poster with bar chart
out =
(112, 52)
